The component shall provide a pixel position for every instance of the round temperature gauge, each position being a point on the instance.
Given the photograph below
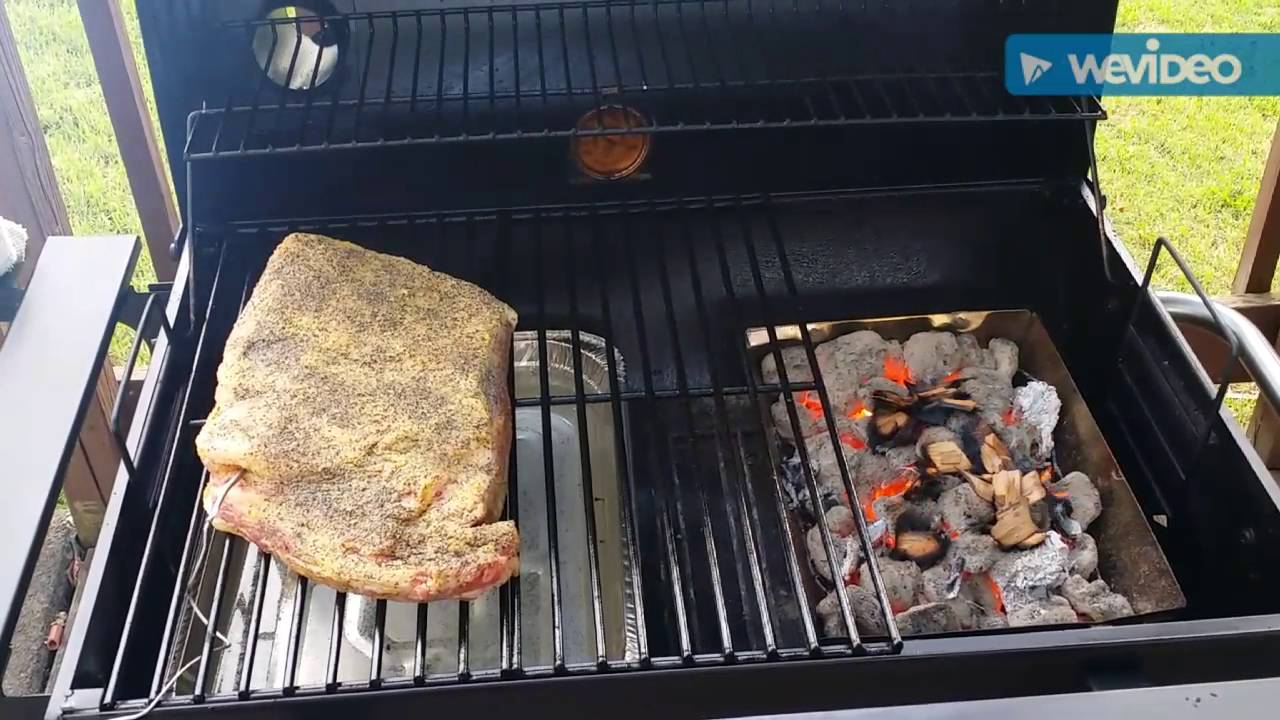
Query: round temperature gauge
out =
(611, 157)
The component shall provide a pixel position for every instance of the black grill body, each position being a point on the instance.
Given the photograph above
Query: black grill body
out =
(777, 192)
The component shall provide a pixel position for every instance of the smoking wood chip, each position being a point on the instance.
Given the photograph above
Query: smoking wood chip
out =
(921, 546)
(947, 456)
(959, 404)
(980, 486)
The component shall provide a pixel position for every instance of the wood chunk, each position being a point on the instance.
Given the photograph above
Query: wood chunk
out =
(892, 399)
(957, 403)
(1014, 526)
(937, 392)
(1032, 489)
(995, 454)
(921, 546)
(947, 456)
(891, 422)
(980, 486)
(1006, 487)
(1033, 540)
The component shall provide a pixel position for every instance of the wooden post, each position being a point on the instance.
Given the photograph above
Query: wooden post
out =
(29, 195)
(135, 135)
(1262, 245)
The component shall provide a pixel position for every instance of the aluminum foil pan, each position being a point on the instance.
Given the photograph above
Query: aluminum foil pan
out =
(619, 615)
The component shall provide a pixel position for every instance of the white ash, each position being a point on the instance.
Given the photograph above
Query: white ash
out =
(1086, 502)
(992, 621)
(900, 458)
(990, 390)
(1038, 405)
(796, 362)
(931, 355)
(928, 619)
(978, 550)
(847, 550)
(867, 616)
(1005, 354)
(972, 354)
(859, 355)
(1095, 600)
(901, 581)
(1083, 558)
(1027, 576)
(941, 582)
(962, 509)
(1053, 610)
(1021, 439)
(889, 508)
(885, 385)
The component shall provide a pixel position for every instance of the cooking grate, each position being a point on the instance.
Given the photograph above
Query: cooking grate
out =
(505, 72)
(721, 579)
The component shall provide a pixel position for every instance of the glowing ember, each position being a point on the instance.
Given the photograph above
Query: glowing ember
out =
(859, 411)
(853, 442)
(810, 401)
(1061, 494)
(896, 370)
(997, 597)
(890, 541)
(1046, 474)
(893, 488)
(951, 377)
(950, 531)
(1010, 416)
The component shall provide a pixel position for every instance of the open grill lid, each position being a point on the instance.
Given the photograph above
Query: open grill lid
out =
(464, 104)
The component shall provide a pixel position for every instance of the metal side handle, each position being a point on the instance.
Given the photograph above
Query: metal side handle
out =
(48, 369)
(1256, 351)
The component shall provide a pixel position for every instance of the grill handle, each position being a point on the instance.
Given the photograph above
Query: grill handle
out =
(49, 364)
(1257, 353)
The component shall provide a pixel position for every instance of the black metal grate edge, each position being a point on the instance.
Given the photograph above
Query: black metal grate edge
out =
(531, 71)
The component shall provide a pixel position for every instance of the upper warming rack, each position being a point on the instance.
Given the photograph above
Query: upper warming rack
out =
(457, 74)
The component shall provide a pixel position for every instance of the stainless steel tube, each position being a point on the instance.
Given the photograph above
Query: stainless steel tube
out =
(1257, 352)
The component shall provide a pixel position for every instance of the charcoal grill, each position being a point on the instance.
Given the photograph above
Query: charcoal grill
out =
(806, 162)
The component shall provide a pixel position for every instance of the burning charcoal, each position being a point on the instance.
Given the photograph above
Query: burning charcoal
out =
(868, 619)
(1005, 354)
(881, 384)
(1025, 576)
(947, 456)
(931, 487)
(992, 621)
(847, 550)
(991, 391)
(962, 509)
(809, 414)
(1095, 600)
(794, 360)
(900, 457)
(915, 539)
(1083, 558)
(857, 355)
(1037, 405)
(1060, 515)
(1020, 439)
(886, 508)
(1054, 610)
(901, 581)
(791, 472)
(931, 355)
(978, 551)
(1086, 502)
(972, 354)
(942, 582)
(928, 619)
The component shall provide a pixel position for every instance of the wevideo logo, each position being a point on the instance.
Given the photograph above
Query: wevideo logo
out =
(1143, 64)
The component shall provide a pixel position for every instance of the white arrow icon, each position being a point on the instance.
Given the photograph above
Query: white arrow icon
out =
(1033, 68)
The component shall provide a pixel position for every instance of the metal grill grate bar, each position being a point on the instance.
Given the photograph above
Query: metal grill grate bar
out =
(686, 64)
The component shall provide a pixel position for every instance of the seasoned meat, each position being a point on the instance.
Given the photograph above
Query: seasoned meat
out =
(362, 424)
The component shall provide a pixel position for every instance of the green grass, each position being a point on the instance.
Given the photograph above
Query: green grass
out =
(73, 114)
(1187, 168)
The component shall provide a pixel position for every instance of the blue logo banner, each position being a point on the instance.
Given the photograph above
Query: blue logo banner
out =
(1142, 64)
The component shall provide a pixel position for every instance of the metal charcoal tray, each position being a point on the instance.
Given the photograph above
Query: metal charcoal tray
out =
(444, 620)
(1129, 557)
